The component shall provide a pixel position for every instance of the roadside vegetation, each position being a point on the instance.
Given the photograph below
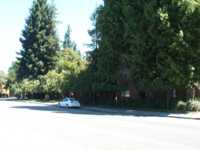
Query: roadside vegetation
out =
(190, 105)
(3, 88)
(145, 54)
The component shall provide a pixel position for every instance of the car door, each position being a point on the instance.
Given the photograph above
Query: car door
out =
(66, 102)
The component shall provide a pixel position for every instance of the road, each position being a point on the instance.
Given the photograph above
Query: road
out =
(29, 126)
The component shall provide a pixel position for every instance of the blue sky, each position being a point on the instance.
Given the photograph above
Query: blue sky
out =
(13, 13)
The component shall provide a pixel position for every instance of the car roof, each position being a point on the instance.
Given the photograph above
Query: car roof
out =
(70, 98)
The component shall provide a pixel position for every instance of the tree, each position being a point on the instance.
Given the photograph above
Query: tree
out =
(70, 64)
(2, 77)
(51, 84)
(11, 77)
(2, 82)
(153, 45)
(108, 45)
(94, 33)
(68, 43)
(39, 41)
(163, 41)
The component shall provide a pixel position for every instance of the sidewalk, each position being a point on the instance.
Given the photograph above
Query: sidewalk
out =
(129, 112)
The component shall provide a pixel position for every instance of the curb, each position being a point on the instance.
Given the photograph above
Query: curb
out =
(143, 113)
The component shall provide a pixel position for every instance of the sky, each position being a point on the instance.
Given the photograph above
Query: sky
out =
(13, 13)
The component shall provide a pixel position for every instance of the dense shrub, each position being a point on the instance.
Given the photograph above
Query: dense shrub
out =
(193, 105)
(181, 106)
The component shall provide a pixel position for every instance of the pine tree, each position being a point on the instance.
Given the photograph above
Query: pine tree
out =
(108, 44)
(39, 41)
(68, 43)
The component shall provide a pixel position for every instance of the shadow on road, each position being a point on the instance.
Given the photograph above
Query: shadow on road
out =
(93, 111)
(56, 109)
(8, 99)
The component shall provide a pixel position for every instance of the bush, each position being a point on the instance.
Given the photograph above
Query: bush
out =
(193, 105)
(181, 106)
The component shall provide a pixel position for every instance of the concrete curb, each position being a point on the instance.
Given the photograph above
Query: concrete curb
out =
(129, 112)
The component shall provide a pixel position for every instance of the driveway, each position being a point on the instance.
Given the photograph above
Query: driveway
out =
(29, 126)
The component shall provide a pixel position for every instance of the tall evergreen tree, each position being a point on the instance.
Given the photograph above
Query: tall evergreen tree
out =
(153, 43)
(94, 33)
(68, 43)
(108, 44)
(39, 41)
(163, 41)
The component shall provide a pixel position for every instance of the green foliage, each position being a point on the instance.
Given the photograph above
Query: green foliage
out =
(55, 83)
(30, 86)
(41, 68)
(108, 44)
(181, 106)
(193, 105)
(151, 44)
(16, 89)
(68, 43)
(25, 87)
(2, 82)
(11, 77)
(52, 82)
(39, 41)
(2, 77)
(163, 53)
(190, 105)
(70, 64)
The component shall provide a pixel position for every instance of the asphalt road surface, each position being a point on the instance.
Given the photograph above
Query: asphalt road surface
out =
(28, 126)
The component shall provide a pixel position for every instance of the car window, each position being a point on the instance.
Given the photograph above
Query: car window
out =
(66, 99)
(72, 99)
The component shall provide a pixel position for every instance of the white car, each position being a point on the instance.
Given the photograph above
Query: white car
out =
(69, 102)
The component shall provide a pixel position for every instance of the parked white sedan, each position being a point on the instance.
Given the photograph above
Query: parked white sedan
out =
(69, 102)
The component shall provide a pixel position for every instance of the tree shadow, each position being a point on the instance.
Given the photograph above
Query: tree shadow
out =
(92, 111)
(57, 109)
(8, 99)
